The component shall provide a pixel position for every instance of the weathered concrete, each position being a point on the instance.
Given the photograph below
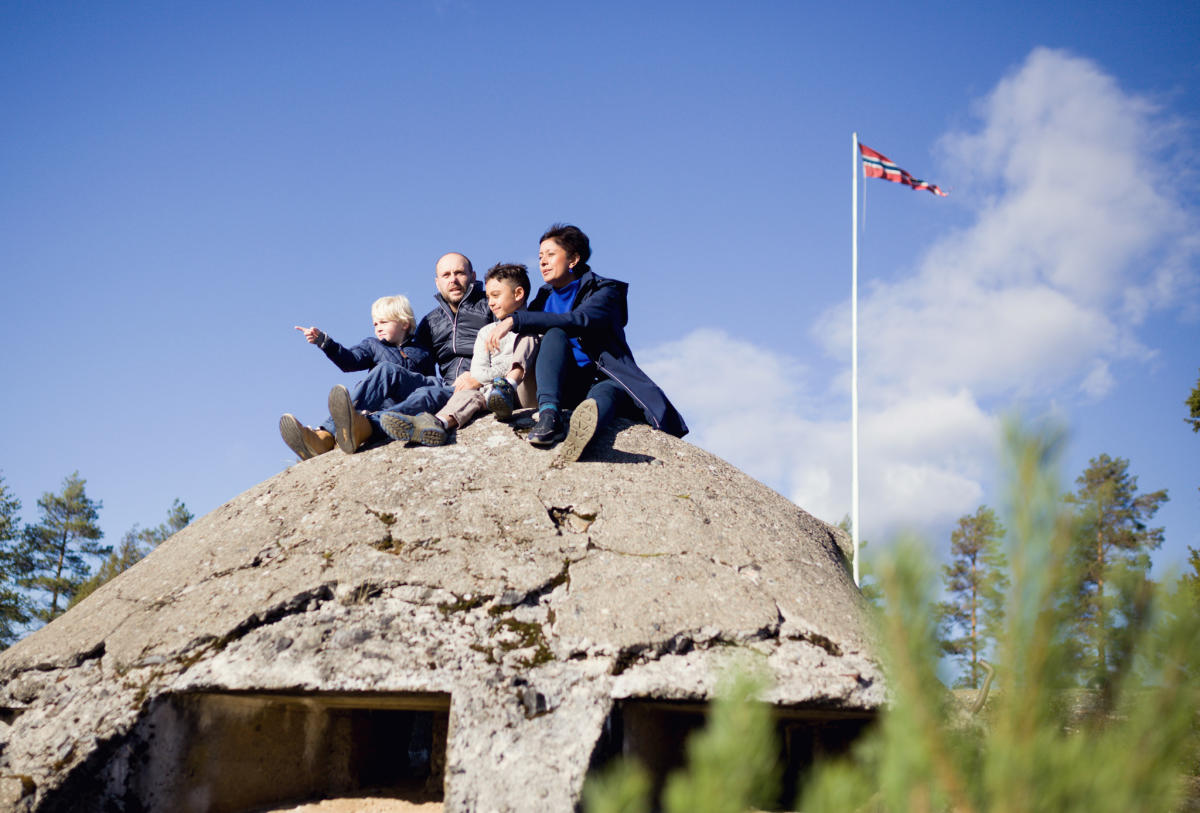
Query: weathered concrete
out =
(533, 595)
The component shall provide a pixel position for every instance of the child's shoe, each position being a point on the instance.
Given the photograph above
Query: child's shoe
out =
(428, 430)
(302, 440)
(398, 427)
(351, 429)
(583, 426)
(503, 399)
(549, 430)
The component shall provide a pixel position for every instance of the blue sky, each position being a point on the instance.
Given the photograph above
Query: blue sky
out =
(180, 184)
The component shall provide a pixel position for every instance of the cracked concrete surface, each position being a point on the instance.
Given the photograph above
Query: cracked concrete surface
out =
(534, 596)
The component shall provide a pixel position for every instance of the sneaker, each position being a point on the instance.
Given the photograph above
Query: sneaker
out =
(428, 430)
(398, 427)
(502, 400)
(549, 429)
(583, 426)
(293, 435)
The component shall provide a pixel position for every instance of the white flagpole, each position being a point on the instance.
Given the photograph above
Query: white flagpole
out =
(854, 351)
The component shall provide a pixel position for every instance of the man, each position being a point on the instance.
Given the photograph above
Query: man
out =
(448, 332)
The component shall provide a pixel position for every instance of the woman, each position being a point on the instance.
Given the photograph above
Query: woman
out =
(583, 361)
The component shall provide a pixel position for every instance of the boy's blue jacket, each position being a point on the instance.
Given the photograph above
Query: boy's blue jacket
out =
(597, 318)
(370, 351)
(451, 335)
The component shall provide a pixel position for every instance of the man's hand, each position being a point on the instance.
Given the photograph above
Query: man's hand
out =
(502, 329)
(312, 334)
(466, 381)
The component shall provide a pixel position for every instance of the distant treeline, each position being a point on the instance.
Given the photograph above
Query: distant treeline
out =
(48, 566)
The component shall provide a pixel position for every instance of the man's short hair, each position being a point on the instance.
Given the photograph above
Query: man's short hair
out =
(394, 309)
(514, 273)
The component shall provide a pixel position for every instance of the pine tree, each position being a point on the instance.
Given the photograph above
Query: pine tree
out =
(1191, 581)
(1193, 405)
(14, 606)
(976, 581)
(1112, 554)
(134, 546)
(55, 547)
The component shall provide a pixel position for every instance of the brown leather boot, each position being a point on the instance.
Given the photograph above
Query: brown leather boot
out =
(305, 442)
(318, 441)
(351, 428)
(293, 435)
(362, 429)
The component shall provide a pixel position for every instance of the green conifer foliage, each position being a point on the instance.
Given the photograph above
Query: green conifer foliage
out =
(1191, 581)
(134, 546)
(55, 547)
(1036, 746)
(975, 581)
(1112, 553)
(732, 766)
(1193, 405)
(14, 606)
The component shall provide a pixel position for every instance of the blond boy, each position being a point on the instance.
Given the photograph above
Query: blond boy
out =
(393, 321)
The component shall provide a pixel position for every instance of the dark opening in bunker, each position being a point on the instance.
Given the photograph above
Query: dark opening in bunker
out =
(238, 751)
(654, 733)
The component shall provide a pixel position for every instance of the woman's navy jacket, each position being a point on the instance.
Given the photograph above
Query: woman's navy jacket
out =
(370, 351)
(597, 318)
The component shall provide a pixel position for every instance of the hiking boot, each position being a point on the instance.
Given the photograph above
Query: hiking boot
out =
(293, 435)
(550, 428)
(428, 430)
(351, 429)
(398, 427)
(502, 400)
(583, 427)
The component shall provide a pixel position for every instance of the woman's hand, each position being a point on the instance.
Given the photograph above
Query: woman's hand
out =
(502, 329)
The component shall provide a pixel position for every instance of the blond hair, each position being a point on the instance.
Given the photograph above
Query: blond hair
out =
(394, 309)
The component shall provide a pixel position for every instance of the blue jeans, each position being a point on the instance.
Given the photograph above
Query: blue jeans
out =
(391, 388)
(563, 383)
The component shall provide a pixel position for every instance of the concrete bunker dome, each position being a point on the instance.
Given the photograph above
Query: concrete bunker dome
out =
(490, 622)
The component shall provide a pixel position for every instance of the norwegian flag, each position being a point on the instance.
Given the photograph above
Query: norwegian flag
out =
(876, 165)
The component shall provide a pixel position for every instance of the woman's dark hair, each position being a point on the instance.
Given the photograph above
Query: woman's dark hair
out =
(574, 241)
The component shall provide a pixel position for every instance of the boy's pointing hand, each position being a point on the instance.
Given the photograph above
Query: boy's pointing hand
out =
(312, 334)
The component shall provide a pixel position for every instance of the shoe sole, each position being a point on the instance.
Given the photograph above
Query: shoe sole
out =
(583, 428)
(427, 432)
(341, 409)
(290, 428)
(499, 406)
(398, 427)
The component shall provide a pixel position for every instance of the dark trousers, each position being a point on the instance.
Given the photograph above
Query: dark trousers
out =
(563, 383)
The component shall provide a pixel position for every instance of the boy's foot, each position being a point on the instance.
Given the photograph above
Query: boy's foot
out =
(293, 435)
(550, 428)
(302, 440)
(583, 426)
(398, 427)
(502, 400)
(351, 428)
(428, 430)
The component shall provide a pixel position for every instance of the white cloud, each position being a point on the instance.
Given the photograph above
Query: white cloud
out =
(1077, 240)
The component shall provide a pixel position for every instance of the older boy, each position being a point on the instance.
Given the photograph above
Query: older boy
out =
(393, 320)
(508, 368)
